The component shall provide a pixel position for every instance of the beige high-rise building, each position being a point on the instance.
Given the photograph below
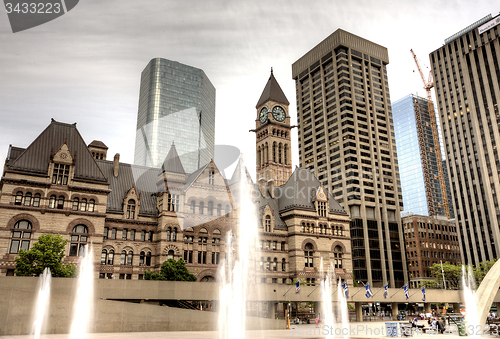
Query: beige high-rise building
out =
(467, 77)
(346, 138)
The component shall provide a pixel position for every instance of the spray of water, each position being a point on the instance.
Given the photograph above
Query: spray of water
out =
(328, 316)
(238, 270)
(469, 291)
(42, 303)
(83, 307)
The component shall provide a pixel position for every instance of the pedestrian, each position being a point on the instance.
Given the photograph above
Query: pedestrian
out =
(317, 322)
(434, 325)
(440, 325)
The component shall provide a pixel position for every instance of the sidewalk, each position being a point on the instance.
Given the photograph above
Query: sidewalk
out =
(361, 330)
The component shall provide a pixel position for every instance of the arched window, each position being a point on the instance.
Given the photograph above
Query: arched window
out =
(341, 231)
(148, 259)
(267, 223)
(141, 258)
(60, 202)
(111, 257)
(227, 210)
(275, 264)
(202, 207)
(337, 254)
(76, 202)
(79, 237)
(308, 255)
(170, 254)
(83, 205)
(19, 198)
(104, 256)
(91, 205)
(27, 199)
(174, 234)
(130, 258)
(36, 200)
(193, 206)
(268, 264)
(21, 236)
(304, 227)
(280, 150)
(219, 210)
(131, 209)
(52, 201)
(283, 264)
(123, 258)
(274, 152)
(169, 232)
(210, 210)
(261, 263)
(285, 154)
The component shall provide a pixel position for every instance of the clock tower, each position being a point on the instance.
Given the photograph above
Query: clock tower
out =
(273, 139)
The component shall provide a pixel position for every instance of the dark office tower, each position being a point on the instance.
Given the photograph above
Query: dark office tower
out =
(467, 76)
(176, 105)
(346, 138)
(425, 186)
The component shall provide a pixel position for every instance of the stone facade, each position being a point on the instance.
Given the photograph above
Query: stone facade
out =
(138, 217)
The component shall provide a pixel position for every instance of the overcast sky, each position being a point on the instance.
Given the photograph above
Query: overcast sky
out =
(85, 66)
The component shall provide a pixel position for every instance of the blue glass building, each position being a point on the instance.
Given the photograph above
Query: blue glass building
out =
(419, 164)
(176, 105)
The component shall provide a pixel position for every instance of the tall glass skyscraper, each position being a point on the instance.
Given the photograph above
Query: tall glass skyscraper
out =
(176, 105)
(424, 179)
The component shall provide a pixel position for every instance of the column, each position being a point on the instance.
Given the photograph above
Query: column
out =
(359, 311)
(318, 308)
(271, 306)
(395, 311)
(427, 308)
(456, 307)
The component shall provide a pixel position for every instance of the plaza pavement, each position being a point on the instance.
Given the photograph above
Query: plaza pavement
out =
(362, 330)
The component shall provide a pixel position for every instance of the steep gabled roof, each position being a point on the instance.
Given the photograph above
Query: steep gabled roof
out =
(98, 144)
(238, 173)
(273, 92)
(142, 178)
(172, 162)
(299, 190)
(36, 157)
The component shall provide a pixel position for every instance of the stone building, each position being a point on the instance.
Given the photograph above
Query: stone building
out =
(138, 217)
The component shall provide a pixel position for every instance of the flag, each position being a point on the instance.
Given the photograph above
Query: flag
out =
(407, 293)
(297, 286)
(423, 293)
(386, 292)
(346, 290)
(369, 292)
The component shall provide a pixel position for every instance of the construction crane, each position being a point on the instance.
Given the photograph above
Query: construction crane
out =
(428, 85)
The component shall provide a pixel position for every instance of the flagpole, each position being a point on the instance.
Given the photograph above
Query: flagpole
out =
(313, 290)
(288, 289)
(413, 294)
(397, 291)
(335, 291)
(377, 291)
(360, 289)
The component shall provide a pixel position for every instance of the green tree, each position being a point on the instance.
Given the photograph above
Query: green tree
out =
(171, 270)
(452, 275)
(481, 270)
(48, 251)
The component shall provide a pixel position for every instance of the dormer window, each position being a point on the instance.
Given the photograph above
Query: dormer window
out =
(267, 223)
(322, 208)
(131, 209)
(60, 174)
(211, 177)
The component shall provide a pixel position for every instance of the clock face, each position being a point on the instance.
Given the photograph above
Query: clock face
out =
(278, 113)
(263, 115)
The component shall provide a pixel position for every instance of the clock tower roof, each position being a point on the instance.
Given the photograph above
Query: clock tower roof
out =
(273, 92)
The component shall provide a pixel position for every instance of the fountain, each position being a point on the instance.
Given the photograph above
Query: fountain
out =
(83, 307)
(469, 290)
(238, 270)
(329, 317)
(42, 303)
